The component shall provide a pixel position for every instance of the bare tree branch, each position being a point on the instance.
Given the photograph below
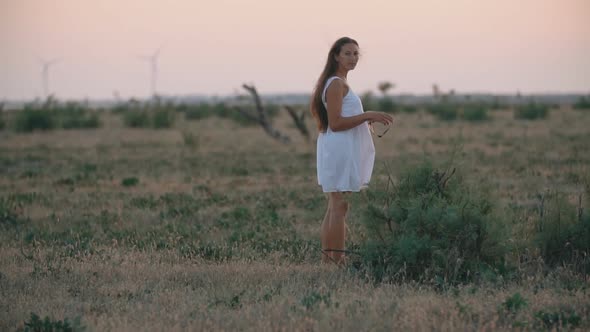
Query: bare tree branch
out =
(299, 121)
(262, 119)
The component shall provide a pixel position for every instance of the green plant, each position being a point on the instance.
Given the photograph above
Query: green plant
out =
(36, 324)
(190, 139)
(514, 303)
(163, 118)
(432, 226)
(369, 101)
(197, 112)
(563, 232)
(9, 211)
(31, 118)
(73, 115)
(409, 109)
(53, 114)
(475, 113)
(443, 111)
(314, 299)
(129, 182)
(558, 319)
(136, 119)
(531, 111)
(583, 103)
(386, 104)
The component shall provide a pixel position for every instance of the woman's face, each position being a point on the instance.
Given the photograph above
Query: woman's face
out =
(348, 56)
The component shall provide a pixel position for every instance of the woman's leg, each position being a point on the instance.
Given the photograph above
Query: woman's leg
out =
(326, 255)
(337, 226)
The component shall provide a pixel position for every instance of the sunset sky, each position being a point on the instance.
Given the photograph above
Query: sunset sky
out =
(212, 47)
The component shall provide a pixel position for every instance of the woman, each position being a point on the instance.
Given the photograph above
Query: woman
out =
(345, 151)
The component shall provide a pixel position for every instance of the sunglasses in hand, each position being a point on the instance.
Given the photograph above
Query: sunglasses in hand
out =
(378, 128)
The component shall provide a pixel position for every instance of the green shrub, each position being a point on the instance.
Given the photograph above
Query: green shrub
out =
(315, 299)
(432, 226)
(36, 324)
(496, 104)
(2, 122)
(53, 114)
(190, 139)
(198, 112)
(563, 233)
(32, 118)
(73, 115)
(514, 303)
(557, 319)
(409, 109)
(147, 118)
(475, 113)
(583, 103)
(8, 211)
(386, 104)
(136, 119)
(163, 118)
(369, 101)
(531, 111)
(129, 182)
(443, 111)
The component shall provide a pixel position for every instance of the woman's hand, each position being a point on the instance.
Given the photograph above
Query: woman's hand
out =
(384, 118)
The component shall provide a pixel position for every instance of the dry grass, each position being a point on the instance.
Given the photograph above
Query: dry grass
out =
(122, 289)
(127, 258)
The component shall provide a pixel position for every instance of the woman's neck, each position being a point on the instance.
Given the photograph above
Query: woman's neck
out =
(342, 74)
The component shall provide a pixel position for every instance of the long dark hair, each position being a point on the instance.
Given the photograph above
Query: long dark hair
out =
(318, 110)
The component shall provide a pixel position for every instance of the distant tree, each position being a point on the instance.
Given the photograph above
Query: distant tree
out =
(435, 91)
(385, 86)
(386, 103)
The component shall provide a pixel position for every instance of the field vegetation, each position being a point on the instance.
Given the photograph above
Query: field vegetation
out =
(191, 217)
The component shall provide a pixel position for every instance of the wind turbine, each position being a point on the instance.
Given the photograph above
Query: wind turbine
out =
(45, 65)
(153, 60)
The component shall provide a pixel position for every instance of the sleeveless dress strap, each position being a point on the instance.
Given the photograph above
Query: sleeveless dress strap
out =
(330, 80)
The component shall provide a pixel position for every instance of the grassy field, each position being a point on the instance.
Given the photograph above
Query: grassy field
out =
(211, 225)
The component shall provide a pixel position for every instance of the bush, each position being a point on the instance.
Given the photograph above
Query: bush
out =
(531, 111)
(197, 112)
(53, 114)
(148, 115)
(2, 122)
(409, 109)
(514, 303)
(73, 115)
(386, 104)
(496, 104)
(9, 215)
(443, 111)
(163, 118)
(582, 103)
(475, 113)
(553, 320)
(136, 119)
(31, 119)
(35, 324)
(369, 101)
(129, 182)
(563, 233)
(432, 226)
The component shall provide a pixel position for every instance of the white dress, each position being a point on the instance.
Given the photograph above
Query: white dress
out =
(345, 158)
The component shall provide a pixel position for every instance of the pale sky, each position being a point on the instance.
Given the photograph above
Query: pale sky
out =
(212, 47)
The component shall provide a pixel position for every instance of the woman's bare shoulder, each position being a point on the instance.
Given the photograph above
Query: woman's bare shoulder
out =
(338, 86)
